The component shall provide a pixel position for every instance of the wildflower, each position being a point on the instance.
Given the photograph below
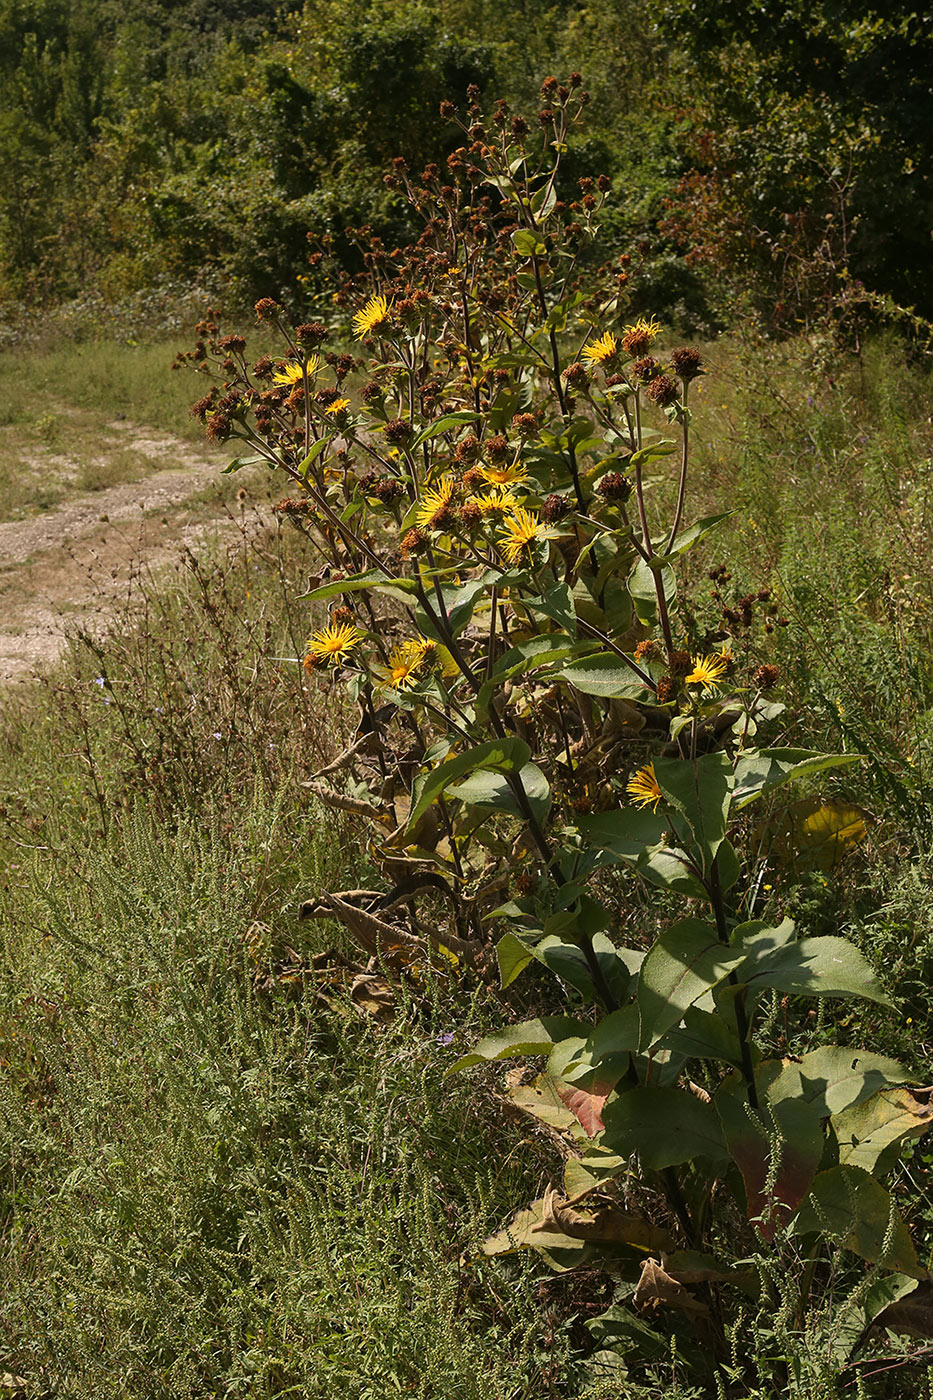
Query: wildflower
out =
(638, 338)
(598, 351)
(499, 502)
(436, 505)
(615, 487)
(662, 390)
(337, 406)
(522, 528)
(707, 671)
(292, 373)
(404, 663)
(554, 508)
(766, 677)
(332, 644)
(643, 788)
(374, 313)
(686, 362)
(512, 475)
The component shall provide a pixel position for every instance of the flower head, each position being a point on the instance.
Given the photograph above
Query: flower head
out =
(373, 314)
(435, 509)
(332, 644)
(521, 529)
(405, 661)
(643, 788)
(601, 349)
(292, 372)
(638, 338)
(708, 671)
(513, 474)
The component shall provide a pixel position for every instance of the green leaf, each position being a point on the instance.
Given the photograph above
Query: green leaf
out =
(605, 674)
(686, 961)
(777, 1151)
(625, 834)
(568, 961)
(443, 425)
(557, 604)
(686, 539)
(536, 1037)
(527, 244)
(866, 1130)
(642, 587)
(316, 451)
(834, 1078)
(513, 956)
(855, 1316)
(859, 1212)
(667, 866)
(705, 1035)
(491, 792)
(239, 462)
(663, 1126)
(373, 578)
(761, 771)
(503, 755)
(701, 792)
(822, 967)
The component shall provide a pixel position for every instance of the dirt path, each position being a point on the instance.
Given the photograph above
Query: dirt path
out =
(72, 564)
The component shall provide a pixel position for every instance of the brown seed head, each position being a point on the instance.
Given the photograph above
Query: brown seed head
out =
(662, 391)
(687, 363)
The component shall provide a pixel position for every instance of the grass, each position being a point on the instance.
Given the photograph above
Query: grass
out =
(67, 416)
(217, 1176)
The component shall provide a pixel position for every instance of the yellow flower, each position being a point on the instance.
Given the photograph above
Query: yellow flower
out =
(333, 643)
(708, 671)
(601, 349)
(522, 527)
(512, 475)
(337, 406)
(404, 663)
(291, 373)
(500, 501)
(436, 504)
(643, 788)
(373, 314)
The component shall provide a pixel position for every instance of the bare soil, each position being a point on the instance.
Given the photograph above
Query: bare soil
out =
(71, 565)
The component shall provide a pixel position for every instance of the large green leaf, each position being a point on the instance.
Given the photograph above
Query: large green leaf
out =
(663, 1126)
(685, 961)
(859, 1212)
(491, 791)
(625, 834)
(867, 1130)
(502, 755)
(777, 1151)
(605, 674)
(822, 967)
(557, 604)
(444, 425)
(701, 793)
(567, 960)
(667, 866)
(833, 1078)
(761, 771)
(373, 578)
(536, 1037)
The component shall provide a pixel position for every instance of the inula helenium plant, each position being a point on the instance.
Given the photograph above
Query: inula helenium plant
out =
(478, 482)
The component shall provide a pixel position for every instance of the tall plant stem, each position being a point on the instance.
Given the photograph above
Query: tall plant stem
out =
(714, 888)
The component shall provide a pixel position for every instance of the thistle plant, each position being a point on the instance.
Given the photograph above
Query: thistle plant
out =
(477, 480)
